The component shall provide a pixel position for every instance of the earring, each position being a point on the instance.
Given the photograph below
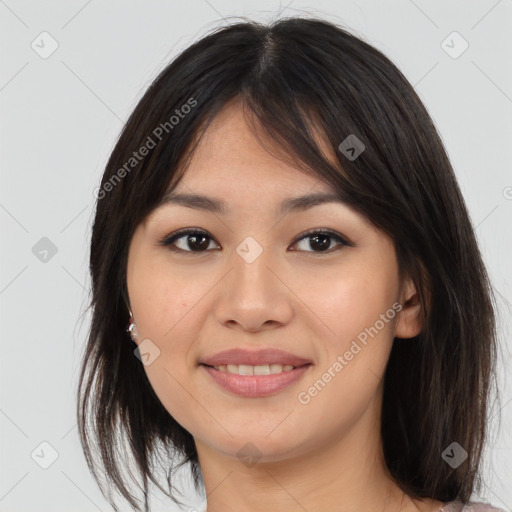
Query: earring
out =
(131, 328)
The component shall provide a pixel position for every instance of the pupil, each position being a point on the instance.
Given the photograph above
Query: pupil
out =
(194, 238)
(324, 245)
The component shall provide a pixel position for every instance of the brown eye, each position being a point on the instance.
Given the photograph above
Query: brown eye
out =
(190, 240)
(320, 241)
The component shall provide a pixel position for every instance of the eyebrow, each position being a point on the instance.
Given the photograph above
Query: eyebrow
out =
(210, 204)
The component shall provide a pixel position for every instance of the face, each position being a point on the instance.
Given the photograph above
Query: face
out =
(320, 283)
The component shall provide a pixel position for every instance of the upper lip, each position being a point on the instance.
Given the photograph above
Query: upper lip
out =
(254, 357)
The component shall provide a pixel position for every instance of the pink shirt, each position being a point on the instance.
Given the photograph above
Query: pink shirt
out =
(457, 506)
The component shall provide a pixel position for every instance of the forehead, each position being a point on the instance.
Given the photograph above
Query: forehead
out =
(235, 150)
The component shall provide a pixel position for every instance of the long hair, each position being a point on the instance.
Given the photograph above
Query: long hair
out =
(295, 75)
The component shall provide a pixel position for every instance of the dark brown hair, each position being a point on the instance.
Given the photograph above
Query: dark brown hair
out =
(295, 74)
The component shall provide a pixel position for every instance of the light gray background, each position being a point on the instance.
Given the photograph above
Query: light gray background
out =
(60, 118)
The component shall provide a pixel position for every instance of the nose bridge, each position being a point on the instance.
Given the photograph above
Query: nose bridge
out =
(254, 295)
(251, 261)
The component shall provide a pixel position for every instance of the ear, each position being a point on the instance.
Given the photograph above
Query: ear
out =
(410, 318)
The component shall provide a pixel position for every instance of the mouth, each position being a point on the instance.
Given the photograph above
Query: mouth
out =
(259, 358)
(255, 381)
(248, 369)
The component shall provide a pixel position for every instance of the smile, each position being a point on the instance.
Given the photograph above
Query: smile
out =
(255, 381)
(248, 369)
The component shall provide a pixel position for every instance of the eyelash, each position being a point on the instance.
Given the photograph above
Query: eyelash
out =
(170, 239)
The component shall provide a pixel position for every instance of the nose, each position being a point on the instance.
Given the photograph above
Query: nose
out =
(255, 295)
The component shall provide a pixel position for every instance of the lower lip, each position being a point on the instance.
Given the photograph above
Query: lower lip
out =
(252, 386)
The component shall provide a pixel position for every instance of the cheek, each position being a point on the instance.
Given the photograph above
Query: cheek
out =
(359, 339)
(162, 298)
(355, 355)
(163, 303)
(169, 381)
(351, 301)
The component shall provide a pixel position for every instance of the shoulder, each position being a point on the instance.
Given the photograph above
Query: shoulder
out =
(457, 506)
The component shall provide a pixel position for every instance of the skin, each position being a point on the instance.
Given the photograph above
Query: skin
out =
(323, 455)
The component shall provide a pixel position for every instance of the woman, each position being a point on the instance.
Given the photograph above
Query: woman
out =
(310, 322)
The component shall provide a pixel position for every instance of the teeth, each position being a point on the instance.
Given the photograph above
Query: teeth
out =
(247, 369)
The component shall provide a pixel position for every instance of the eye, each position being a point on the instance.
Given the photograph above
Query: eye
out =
(197, 240)
(194, 240)
(322, 239)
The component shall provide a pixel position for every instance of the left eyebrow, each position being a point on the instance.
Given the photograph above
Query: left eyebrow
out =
(211, 204)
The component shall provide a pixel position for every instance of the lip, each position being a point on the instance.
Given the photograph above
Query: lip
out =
(254, 357)
(253, 386)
